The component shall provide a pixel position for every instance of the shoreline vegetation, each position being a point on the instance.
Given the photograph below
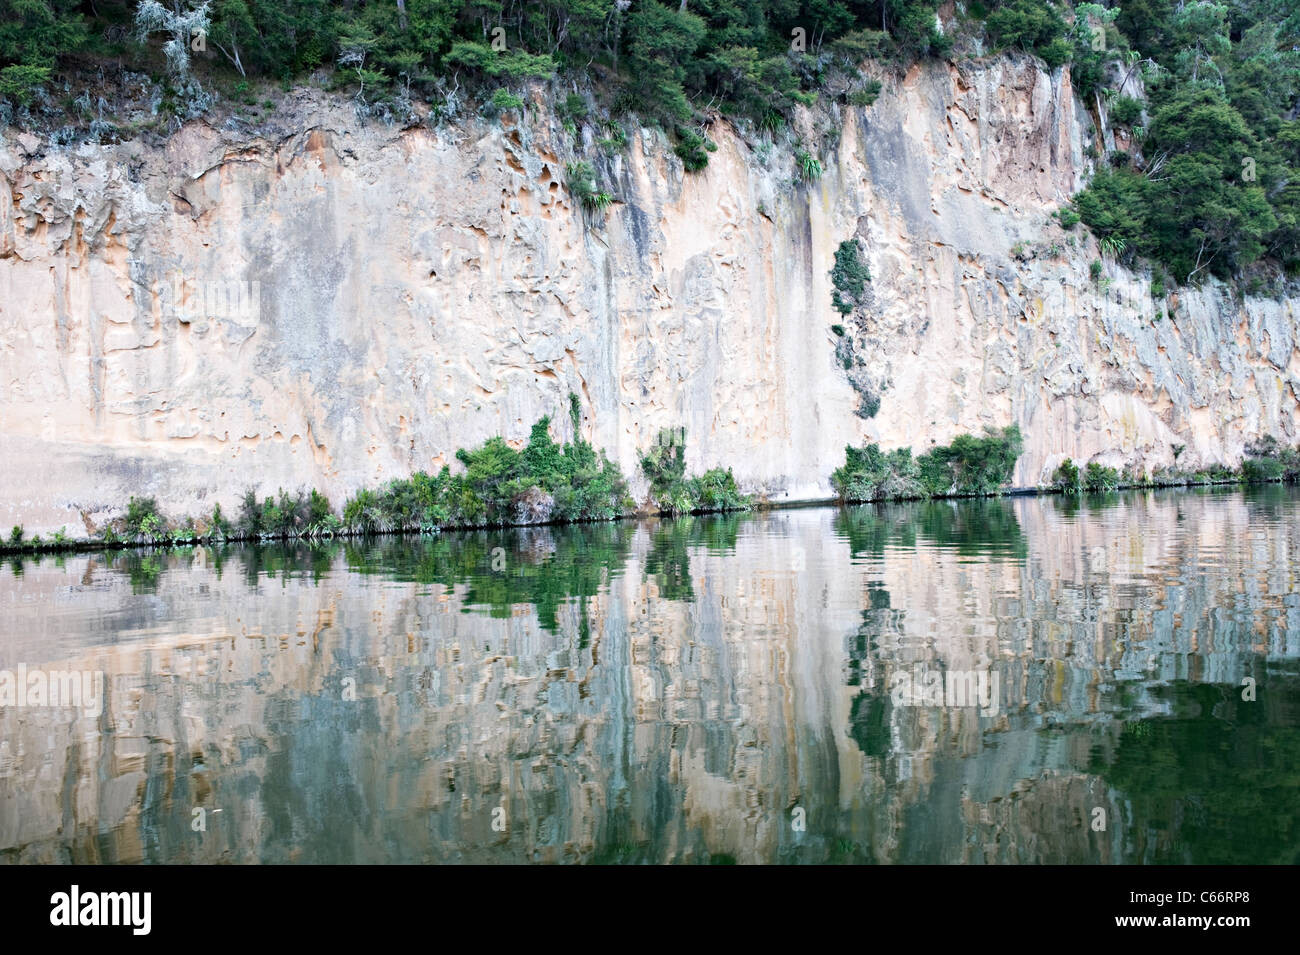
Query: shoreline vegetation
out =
(546, 483)
(982, 467)
(543, 483)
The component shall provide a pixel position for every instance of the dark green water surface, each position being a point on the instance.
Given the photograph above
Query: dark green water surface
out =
(722, 689)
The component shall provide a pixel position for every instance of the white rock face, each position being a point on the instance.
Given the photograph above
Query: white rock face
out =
(339, 303)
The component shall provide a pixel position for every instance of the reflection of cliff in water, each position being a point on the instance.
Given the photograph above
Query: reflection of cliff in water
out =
(672, 690)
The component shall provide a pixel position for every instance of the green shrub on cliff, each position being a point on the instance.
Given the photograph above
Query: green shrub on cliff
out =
(543, 482)
(664, 466)
(693, 149)
(1125, 110)
(1267, 460)
(1066, 478)
(866, 95)
(582, 184)
(870, 474)
(1211, 190)
(1097, 477)
(970, 465)
(807, 165)
(849, 277)
(33, 35)
(1034, 26)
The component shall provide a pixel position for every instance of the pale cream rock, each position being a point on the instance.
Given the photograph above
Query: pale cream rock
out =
(341, 303)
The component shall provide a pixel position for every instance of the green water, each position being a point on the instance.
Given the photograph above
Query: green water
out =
(726, 689)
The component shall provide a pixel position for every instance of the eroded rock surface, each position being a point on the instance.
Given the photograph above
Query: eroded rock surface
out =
(337, 303)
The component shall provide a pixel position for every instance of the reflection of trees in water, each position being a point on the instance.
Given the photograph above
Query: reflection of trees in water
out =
(1215, 781)
(542, 566)
(972, 527)
(869, 723)
(284, 561)
(668, 559)
(981, 527)
(592, 767)
(1267, 502)
(142, 567)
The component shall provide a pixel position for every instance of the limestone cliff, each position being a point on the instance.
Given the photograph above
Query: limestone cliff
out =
(331, 302)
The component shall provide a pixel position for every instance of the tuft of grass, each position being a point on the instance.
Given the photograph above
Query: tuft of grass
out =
(581, 180)
(808, 165)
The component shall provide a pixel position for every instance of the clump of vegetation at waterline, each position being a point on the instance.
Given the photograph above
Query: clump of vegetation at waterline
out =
(545, 482)
(973, 466)
(1266, 462)
(1068, 479)
(664, 466)
(969, 466)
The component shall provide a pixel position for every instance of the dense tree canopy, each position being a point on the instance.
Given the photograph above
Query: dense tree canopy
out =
(1207, 186)
(1212, 186)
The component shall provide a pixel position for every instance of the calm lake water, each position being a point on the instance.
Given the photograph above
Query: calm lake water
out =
(794, 686)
